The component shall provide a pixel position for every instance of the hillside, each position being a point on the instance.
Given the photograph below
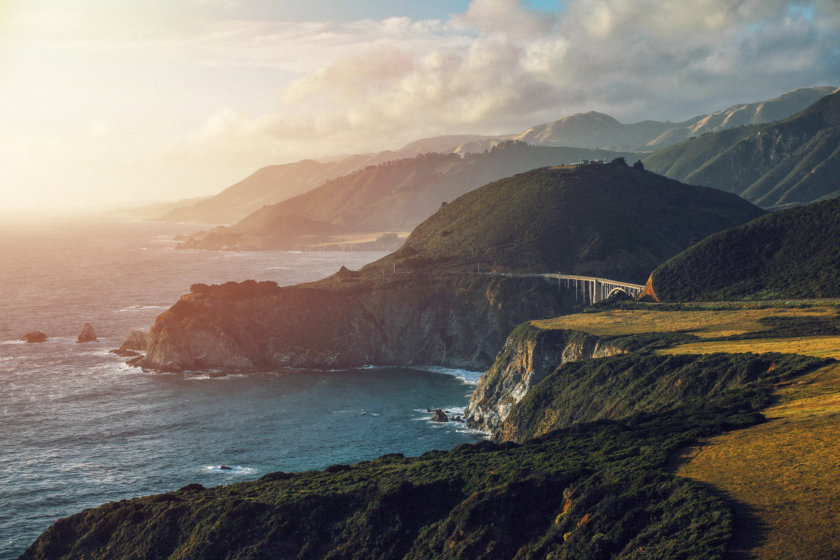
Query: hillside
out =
(608, 220)
(601, 484)
(424, 304)
(790, 253)
(393, 196)
(591, 130)
(793, 161)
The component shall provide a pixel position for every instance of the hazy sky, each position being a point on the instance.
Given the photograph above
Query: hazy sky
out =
(105, 102)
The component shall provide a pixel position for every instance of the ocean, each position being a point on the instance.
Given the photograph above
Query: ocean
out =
(79, 428)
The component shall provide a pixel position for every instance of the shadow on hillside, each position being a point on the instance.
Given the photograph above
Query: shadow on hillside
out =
(749, 531)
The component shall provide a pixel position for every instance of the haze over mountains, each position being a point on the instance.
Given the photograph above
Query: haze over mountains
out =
(393, 196)
(592, 130)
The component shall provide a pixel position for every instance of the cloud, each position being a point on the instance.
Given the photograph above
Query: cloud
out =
(501, 65)
(367, 85)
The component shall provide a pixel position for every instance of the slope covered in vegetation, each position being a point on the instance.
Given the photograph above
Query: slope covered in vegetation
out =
(791, 253)
(393, 196)
(793, 161)
(609, 220)
(580, 490)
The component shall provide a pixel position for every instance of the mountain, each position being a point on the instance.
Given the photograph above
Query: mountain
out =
(598, 130)
(793, 253)
(792, 161)
(608, 220)
(392, 196)
(425, 304)
(591, 130)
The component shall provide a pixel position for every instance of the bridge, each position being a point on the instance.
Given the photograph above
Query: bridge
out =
(591, 289)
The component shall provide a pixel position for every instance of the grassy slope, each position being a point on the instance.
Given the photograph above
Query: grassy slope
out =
(393, 196)
(792, 253)
(781, 475)
(788, 161)
(591, 490)
(608, 220)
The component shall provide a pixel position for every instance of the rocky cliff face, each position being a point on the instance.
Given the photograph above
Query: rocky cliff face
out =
(529, 355)
(455, 320)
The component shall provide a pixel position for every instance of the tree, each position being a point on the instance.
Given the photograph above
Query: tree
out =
(638, 164)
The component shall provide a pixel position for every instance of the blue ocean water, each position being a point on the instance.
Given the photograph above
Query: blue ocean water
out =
(79, 428)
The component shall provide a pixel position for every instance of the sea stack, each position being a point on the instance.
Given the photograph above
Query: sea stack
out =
(87, 334)
(34, 336)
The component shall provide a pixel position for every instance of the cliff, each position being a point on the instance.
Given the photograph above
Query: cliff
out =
(594, 483)
(456, 320)
(529, 355)
(552, 377)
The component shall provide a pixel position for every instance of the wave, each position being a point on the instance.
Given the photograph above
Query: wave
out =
(229, 469)
(141, 308)
(467, 376)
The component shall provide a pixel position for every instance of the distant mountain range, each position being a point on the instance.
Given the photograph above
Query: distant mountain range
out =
(592, 130)
(792, 161)
(390, 197)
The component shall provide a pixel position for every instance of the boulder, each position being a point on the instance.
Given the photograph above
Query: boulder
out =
(34, 336)
(87, 334)
(439, 416)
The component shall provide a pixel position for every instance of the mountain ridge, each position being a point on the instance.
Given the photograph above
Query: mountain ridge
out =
(792, 161)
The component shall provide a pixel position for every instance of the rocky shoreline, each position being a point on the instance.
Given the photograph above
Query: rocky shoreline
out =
(451, 320)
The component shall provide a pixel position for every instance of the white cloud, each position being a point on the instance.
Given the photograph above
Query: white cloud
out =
(267, 91)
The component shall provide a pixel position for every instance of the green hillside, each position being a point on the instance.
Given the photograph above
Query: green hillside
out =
(792, 161)
(609, 220)
(392, 196)
(791, 253)
(591, 491)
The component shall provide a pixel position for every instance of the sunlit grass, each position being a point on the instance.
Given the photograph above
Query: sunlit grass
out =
(819, 347)
(783, 474)
(702, 323)
(785, 471)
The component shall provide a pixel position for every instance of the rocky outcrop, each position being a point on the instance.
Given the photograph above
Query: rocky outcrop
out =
(34, 336)
(136, 342)
(455, 320)
(88, 334)
(529, 355)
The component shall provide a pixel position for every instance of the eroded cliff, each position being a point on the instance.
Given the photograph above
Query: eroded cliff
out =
(455, 320)
(529, 355)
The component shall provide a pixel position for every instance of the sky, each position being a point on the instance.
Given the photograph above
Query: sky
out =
(107, 103)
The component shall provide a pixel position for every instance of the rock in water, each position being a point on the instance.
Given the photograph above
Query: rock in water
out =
(34, 336)
(439, 416)
(134, 344)
(87, 334)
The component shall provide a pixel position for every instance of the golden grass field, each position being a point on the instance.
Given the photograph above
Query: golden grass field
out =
(783, 475)
(785, 472)
(700, 322)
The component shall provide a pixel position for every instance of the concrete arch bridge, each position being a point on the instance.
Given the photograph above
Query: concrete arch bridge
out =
(592, 289)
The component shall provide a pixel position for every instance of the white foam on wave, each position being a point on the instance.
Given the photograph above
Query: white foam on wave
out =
(210, 375)
(132, 308)
(467, 376)
(229, 469)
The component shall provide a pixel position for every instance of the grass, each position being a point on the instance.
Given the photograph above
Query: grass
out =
(818, 347)
(784, 471)
(782, 475)
(701, 323)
